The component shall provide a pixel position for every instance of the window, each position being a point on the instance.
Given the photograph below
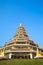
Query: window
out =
(24, 47)
(20, 36)
(20, 43)
(8, 48)
(17, 46)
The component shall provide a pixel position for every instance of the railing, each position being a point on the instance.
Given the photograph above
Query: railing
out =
(19, 50)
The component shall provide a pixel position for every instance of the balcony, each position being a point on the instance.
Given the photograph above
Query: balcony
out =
(19, 50)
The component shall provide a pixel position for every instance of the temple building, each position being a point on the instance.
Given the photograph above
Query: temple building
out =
(20, 46)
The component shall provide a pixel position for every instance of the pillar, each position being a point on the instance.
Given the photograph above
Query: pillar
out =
(10, 56)
(31, 56)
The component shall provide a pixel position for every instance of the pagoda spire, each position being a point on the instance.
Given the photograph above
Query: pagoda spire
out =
(20, 24)
(21, 34)
(38, 53)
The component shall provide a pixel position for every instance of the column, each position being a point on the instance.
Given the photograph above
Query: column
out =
(10, 56)
(31, 56)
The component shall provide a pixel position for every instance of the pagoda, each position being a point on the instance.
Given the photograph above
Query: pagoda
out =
(20, 46)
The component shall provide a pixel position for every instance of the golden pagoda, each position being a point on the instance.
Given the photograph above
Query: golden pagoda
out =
(20, 46)
(38, 54)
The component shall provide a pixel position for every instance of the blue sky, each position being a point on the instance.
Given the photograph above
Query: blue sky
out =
(27, 12)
